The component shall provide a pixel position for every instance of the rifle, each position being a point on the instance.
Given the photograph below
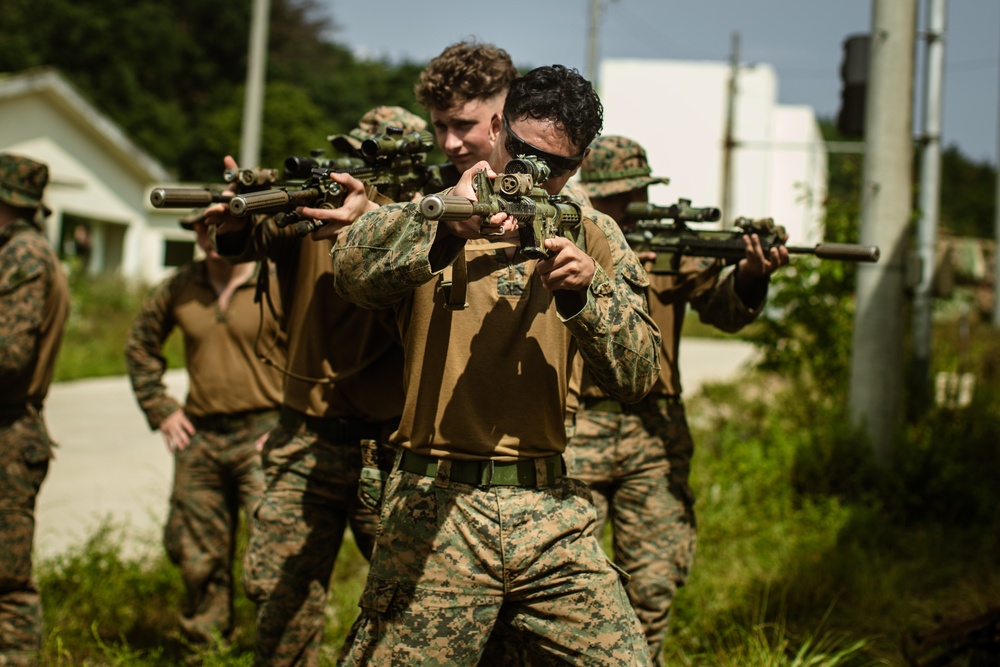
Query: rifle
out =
(247, 180)
(645, 230)
(391, 163)
(517, 193)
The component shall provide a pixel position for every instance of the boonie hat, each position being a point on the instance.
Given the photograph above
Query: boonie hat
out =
(374, 122)
(615, 165)
(22, 182)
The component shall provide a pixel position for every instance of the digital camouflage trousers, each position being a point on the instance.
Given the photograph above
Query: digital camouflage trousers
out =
(25, 450)
(452, 560)
(637, 466)
(310, 497)
(215, 476)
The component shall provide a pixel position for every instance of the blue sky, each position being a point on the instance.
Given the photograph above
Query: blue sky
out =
(801, 39)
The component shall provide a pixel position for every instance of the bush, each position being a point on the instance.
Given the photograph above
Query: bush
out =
(102, 311)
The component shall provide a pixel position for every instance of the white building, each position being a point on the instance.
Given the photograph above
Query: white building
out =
(98, 178)
(678, 111)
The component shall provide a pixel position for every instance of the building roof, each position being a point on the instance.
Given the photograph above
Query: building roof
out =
(50, 84)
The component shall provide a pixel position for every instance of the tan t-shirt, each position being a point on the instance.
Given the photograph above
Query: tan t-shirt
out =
(343, 361)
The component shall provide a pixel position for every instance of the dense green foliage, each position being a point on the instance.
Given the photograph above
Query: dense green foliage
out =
(172, 75)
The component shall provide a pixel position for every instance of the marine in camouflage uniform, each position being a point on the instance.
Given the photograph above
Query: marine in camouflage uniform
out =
(34, 302)
(478, 521)
(232, 403)
(636, 457)
(343, 384)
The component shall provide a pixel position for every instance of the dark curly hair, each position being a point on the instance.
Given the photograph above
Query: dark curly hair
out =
(464, 71)
(561, 95)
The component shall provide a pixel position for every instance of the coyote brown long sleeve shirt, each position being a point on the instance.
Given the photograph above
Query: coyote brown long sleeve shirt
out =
(490, 381)
(343, 361)
(225, 375)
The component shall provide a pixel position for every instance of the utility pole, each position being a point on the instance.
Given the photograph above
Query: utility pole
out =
(877, 361)
(729, 142)
(595, 20)
(930, 201)
(253, 102)
(996, 234)
(596, 9)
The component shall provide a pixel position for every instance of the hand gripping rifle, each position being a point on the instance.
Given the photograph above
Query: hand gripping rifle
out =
(646, 230)
(517, 193)
(390, 163)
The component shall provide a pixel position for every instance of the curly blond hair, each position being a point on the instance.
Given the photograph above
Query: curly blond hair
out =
(465, 71)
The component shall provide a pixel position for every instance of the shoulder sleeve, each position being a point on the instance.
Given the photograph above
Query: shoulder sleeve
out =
(144, 349)
(26, 269)
(384, 255)
(617, 338)
(715, 298)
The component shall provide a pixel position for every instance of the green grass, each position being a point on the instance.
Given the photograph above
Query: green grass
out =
(808, 555)
(101, 313)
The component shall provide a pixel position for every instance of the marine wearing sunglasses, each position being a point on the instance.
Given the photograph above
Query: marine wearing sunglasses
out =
(559, 165)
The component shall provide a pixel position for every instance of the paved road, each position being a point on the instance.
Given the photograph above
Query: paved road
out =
(110, 467)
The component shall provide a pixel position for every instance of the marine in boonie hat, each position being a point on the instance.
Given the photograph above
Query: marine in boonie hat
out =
(615, 165)
(23, 181)
(374, 122)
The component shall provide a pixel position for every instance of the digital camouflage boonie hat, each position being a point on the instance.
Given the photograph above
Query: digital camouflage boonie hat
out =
(23, 181)
(615, 165)
(374, 122)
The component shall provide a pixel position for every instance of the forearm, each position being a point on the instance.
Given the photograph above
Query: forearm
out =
(725, 308)
(145, 362)
(386, 254)
(616, 337)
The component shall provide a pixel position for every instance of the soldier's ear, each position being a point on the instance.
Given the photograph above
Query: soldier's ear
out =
(495, 126)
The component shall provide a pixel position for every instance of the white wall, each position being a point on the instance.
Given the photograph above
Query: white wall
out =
(677, 111)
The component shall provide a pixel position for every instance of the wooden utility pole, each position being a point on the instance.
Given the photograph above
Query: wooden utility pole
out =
(886, 206)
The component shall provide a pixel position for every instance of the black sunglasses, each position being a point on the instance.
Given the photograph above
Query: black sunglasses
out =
(559, 165)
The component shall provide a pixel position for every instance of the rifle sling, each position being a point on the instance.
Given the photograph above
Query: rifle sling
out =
(455, 277)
